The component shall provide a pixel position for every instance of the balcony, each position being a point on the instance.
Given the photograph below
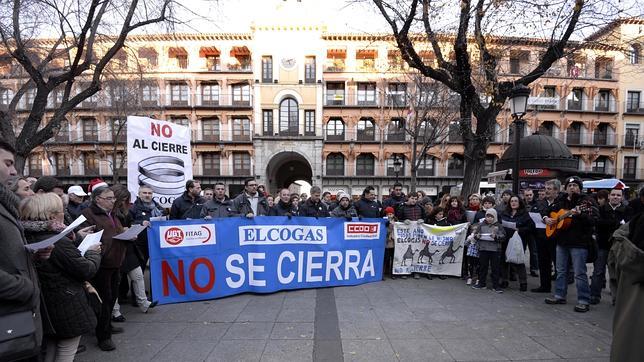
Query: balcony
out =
(575, 105)
(574, 138)
(634, 107)
(633, 140)
(335, 100)
(632, 173)
(198, 136)
(604, 105)
(239, 68)
(587, 105)
(396, 136)
(603, 139)
(221, 100)
(63, 171)
(455, 172)
(397, 100)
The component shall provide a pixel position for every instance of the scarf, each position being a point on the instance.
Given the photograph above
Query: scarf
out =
(10, 201)
(39, 226)
(152, 207)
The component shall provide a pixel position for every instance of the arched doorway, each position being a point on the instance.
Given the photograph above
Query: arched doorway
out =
(285, 168)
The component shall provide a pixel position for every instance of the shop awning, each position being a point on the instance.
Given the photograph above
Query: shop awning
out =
(177, 52)
(366, 54)
(239, 51)
(336, 53)
(209, 52)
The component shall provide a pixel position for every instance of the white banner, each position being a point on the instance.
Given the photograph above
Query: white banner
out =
(422, 248)
(158, 155)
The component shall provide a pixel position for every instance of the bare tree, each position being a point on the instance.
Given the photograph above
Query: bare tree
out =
(56, 43)
(463, 37)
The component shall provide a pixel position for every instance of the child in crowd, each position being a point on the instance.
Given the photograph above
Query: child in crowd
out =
(389, 247)
(437, 217)
(488, 235)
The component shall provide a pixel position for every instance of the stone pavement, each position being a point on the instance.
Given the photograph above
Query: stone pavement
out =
(393, 320)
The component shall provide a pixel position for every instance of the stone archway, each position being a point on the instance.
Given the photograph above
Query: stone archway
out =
(286, 167)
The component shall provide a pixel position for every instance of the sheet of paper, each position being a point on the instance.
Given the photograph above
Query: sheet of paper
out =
(52, 240)
(487, 237)
(509, 225)
(130, 233)
(89, 241)
(538, 221)
(158, 218)
(469, 214)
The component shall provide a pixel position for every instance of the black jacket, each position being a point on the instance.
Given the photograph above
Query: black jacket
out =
(185, 207)
(314, 209)
(241, 205)
(282, 209)
(139, 213)
(366, 208)
(609, 220)
(217, 209)
(339, 211)
(393, 201)
(580, 232)
(61, 282)
(525, 225)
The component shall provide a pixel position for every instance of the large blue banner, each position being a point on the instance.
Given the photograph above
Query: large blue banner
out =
(205, 259)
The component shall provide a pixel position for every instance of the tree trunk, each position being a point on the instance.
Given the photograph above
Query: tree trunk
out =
(413, 168)
(19, 163)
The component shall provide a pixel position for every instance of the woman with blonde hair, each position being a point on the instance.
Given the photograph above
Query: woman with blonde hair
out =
(62, 277)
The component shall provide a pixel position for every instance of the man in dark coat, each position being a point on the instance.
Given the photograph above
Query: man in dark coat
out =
(313, 206)
(142, 210)
(250, 202)
(410, 210)
(19, 291)
(396, 197)
(368, 206)
(188, 205)
(219, 206)
(283, 206)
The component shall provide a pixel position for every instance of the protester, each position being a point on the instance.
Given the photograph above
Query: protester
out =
(455, 211)
(488, 236)
(396, 197)
(573, 242)
(326, 199)
(20, 186)
(314, 207)
(189, 204)
(48, 184)
(546, 247)
(530, 202)
(438, 217)
(636, 205)
(261, 189)
(368, 206)
(106, 281)
(76, 201)
(208, 194)
(429, 207)
(142, 210)
(344, 208)
(295, 204)
(270, 200)
(409, 212)
(250, 202)
(19, 291)
(219, 206)
(62, 277)
(474, 202)
(390, 245)
(283, 206)
(503, 203)
(445, 201)
(517, 214)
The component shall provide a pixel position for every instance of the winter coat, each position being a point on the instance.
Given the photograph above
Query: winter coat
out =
(74, 210)
(113, 250)
(61, 280)
(19, 289)
(366, 208)
(282, 209)
(410, 212)
(184, 207)
(580, 232)
(218, 209)
(339, 211)
(441, 222)
(133, 256)
(495, 229)
(456, 215)
(140, 212)
(626, 270)
(525, 225)
(394, 201)
(609, 220)
(241, 205)
(314, 209)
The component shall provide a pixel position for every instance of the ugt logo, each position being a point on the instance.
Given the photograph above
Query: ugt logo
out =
(174, 236)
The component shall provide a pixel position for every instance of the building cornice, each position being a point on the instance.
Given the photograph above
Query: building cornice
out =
(612, 25)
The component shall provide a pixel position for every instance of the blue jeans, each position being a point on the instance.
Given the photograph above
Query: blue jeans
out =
(578, 256)
(599, 274)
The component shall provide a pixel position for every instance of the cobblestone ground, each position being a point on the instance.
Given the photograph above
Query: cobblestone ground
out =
(393, 320)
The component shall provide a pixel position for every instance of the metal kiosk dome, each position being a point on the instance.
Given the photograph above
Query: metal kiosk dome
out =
(540, 151)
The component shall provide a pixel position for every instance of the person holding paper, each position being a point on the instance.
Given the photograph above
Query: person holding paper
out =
(141, 211)
(517, 214)
(62, 278)
(488, 234)
(528, 198)
(106, 281)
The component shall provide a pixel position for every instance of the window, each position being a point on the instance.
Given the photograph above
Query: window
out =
(489, 164)
(365, 164)
(309, 123)
(309, 70)
(366, 60)
(31, 95)
(635, 54)
(455, 166)
(575, 99)
(391, 170)
(90, 129)
(147, 58)
(5, 96)
(599, 165)
(427, 131)
(289, 117)
(547, 128)
(631, 137)
(35, 165)
(119, 130)
(213, 63)
(366, 129)
(209, 94)
(601, 134)
(573, 134)
(63, 132)
(241, 94)
(210, 129)
(397, 95)
(396, 130)
(454, 134)
(267, 69)
(179, 94)
(62, 164)
(211, 163)
(515, 64)
(395, 60)
(604, 68)
(182, 61)
(182, 121)
(633, 102)
(335, 164)
(120, 164)
(90, 163)
(241, 129)
(267, 121)
(335, 130)
(150, 94)
(550, 93)
(366, 94)
(241, 163)
(426, 167)
(602, 102)
(335, 93)
(630, 167)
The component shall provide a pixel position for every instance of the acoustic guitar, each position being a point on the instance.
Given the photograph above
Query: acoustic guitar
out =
(563, 219)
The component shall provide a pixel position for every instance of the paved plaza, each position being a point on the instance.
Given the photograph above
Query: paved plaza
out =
(392, 320)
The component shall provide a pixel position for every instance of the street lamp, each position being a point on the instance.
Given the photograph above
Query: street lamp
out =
(518, 106)
(397, 165)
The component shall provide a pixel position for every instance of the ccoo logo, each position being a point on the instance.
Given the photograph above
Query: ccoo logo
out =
(361, 230)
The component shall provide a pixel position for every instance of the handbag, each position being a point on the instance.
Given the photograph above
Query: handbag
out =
(18, 336)
(514, 253)
(473, 250)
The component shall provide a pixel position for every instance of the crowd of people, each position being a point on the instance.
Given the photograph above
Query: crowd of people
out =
(65, 293)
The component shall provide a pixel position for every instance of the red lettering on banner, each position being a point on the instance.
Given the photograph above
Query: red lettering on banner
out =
(159, 130)
(211, 275)
(178, 282)
(362, 228)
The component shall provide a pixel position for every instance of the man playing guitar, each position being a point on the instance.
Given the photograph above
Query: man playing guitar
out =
(573, 242)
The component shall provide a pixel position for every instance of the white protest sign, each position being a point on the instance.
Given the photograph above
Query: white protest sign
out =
(159, 156)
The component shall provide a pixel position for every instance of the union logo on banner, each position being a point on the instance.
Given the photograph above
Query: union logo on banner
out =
(187, 235)
(361, 230)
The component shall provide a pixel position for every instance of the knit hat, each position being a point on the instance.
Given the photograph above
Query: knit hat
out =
(94, 183)
(389, 210)
(576, 180)
(493, 213)
(342, 195)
